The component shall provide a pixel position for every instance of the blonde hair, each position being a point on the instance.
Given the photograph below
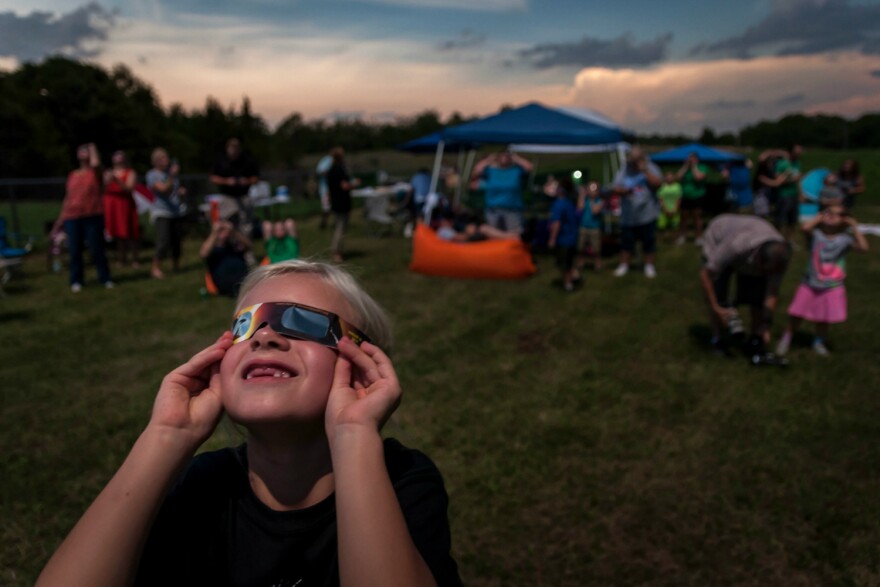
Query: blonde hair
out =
(370, 317)
(154, 156)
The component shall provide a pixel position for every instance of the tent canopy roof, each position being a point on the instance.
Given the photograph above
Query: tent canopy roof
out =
(428, 144)
(538, 124)
(705, 154)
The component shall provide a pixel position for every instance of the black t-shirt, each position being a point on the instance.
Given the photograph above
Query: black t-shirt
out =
(212, 529)
(340, 198)
(241, 166)
(228, 268)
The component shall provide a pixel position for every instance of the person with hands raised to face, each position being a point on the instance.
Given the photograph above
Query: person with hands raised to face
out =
(635, 183)
(314, 497)
(821, 296)
(692, 176)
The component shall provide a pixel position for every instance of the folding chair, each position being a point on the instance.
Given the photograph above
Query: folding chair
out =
(379, 221)
(10, 257)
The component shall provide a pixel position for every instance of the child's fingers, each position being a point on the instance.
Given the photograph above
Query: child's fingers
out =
(342, 372)
(367, 368)
(382, 361)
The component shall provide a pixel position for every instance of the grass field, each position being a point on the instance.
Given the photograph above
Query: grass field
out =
(585, 439)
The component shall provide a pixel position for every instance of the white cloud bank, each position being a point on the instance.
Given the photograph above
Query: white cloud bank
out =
(729, 94)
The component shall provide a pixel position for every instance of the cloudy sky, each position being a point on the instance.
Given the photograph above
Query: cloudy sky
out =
(677, 65)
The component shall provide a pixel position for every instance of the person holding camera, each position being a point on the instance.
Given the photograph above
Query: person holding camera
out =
(753, 251)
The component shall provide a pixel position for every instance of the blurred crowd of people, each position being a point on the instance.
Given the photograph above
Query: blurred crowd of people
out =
(586, 221)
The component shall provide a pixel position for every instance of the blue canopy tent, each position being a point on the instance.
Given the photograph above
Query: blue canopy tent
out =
(705, 154)
(538, 124)
(535, 124)
(428, 144)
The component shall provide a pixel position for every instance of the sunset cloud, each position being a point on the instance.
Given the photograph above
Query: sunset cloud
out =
(759, 60)
(726, 94)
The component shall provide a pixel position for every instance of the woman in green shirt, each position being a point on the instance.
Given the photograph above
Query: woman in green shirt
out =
(692, 176)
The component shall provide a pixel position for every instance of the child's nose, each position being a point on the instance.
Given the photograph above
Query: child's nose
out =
(267, 337)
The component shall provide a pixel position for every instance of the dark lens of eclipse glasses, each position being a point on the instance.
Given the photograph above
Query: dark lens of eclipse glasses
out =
(306, 322)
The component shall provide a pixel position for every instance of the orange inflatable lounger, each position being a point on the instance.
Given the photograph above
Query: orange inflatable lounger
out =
(492, 259)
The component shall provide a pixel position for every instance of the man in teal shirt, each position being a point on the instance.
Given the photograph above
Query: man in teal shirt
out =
(502, 176)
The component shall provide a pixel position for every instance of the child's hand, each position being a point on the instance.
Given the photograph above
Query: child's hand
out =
(188, 401)
(365, 391)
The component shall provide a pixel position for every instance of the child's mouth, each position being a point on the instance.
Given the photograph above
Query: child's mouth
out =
(264, 372)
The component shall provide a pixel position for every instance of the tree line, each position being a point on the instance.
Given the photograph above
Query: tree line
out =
(48, 108)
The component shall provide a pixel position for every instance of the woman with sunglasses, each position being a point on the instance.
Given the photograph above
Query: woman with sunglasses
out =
(315, 496)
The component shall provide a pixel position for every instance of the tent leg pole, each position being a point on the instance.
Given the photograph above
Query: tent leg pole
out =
(438, 160)
(435, 177)
(464, 181)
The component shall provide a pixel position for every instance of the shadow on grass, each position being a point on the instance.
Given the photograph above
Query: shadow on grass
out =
(352, 255)
(17, 287)
(700, 335)
(701, 338)
(141, 275)
(14, 316)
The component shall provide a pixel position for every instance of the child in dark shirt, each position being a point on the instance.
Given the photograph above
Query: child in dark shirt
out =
(564, 224)
(315, 496)
(224, 253)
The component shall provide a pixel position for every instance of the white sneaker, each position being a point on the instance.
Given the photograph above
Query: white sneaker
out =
(698, 241)
(650, 271)
(621, 270)
(680, 240)
(820, 349)
(76, 287)
(109, 285)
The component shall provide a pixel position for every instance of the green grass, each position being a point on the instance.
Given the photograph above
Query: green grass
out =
(585, 439)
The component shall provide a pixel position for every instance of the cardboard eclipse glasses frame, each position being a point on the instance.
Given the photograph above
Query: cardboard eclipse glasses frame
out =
(294, 321)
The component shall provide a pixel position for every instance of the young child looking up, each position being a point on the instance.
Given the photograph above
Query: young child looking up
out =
(669, 195)
(564, 231)
(282, 242)
(591, 207)
(821, 296)
(224, 253)
(314, 497)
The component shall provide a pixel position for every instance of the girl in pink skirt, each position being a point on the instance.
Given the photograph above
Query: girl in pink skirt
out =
(821, 296)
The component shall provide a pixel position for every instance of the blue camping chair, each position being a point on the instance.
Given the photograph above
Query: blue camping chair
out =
(10, 257)
(6, 249)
